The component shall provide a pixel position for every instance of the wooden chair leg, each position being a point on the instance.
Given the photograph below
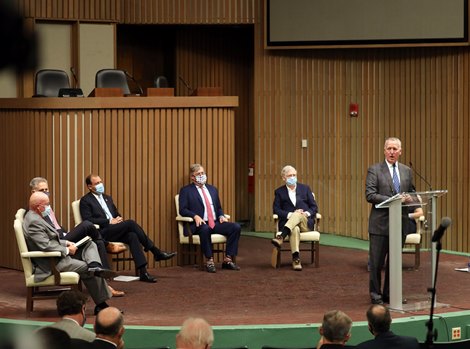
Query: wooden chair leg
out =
(317, 254)
(29, 301)
(417, 256)
(278, 262)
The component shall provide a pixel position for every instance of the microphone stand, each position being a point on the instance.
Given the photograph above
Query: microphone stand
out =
(432, 333)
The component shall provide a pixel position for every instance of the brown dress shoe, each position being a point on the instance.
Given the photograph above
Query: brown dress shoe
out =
(116, 293)
(115, 248)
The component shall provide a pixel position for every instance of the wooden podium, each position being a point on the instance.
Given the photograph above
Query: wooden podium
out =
(106, 92)
(160, 91)
(207, 91)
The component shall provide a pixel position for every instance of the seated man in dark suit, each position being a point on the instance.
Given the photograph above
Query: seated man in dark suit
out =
(379, 321)
(335, 330)
(296, 208)
(84, 260)
(201, 202)
(99, 209)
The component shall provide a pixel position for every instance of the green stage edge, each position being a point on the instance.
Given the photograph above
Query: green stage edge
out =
(283, 336)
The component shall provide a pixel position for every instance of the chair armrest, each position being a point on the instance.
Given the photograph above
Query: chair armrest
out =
(97, 226)
(184, 219)
(227, 216)
(40, 254)
(421, 219)
(275, 217)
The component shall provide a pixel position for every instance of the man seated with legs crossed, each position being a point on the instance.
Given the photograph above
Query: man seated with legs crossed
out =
(296, 208)
(99, 208)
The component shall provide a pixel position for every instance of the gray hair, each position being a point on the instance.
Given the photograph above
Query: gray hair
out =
(194, 168)
(394, 140)
(286, 169)
(336, 325)
(35, 181)
(196, 332)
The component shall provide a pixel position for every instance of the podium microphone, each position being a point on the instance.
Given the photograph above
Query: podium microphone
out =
(141, 91)
(188, 86)
(72, 70)
(424, 179)
(439, 232)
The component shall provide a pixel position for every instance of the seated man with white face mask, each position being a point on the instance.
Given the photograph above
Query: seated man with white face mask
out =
(296, 208)
(99, 208)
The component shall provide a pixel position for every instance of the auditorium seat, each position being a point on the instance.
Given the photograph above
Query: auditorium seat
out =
(189, 246)
(119, 257)
(463, 344)
(48, 82)
(53, 285)
(413, 242)
(112, 78)
(161, 81)
(309, 241)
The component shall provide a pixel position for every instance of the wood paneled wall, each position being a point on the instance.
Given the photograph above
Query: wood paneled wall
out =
(418, 94)
(141, 147)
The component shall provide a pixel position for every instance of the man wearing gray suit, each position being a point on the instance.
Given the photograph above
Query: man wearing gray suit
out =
(84, 260)
(71, 306)
(384, 180)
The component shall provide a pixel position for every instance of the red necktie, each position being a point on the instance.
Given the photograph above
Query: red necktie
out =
(210, 215)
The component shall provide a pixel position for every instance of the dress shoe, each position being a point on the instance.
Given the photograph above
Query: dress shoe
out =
(163, 256)
(115, 248)
(386, 299)
(230, 266)
(277, 241)
(376, 299)
(102, 272)
(146, 277)
(210, 268)
(116, 293)
(296, 265)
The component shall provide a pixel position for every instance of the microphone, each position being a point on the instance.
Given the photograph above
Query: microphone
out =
(188, 86)
(417, 173)
(135, 82)
(439, 232)
(72, 70)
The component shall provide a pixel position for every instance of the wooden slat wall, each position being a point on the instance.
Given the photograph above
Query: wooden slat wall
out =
(420, 95)
(142, 154)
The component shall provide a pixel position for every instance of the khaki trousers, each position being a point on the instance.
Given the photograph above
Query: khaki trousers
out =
(297, 223)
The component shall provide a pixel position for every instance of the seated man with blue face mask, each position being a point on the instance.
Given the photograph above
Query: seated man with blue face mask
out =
(296, 208)
(99, 208)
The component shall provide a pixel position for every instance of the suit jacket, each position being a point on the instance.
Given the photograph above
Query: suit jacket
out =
(379, 187)
(282, 205)
(74, 330)
(191, 203)
(390, 340)
(91, 210)
(41, 236)
(102, 344)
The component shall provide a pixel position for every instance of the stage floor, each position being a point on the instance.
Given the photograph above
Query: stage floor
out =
(258, 294)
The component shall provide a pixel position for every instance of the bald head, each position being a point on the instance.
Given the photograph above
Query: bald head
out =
(37, 200)
(195, 333)
(109, 323)
(379, 318)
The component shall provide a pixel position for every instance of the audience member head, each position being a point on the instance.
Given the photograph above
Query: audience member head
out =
(336, 327)
(195, 333)
(197, 174)
(39, 203)
(109, 325)
(72, 304)
(392, 149)
(50, 338)
(39, 184)
(94, 184)
(379, 319)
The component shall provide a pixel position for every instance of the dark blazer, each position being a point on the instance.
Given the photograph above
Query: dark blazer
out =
(101, 344)
(91, 210)
(191, 203)
(379, 187)
(390, 340)
(282, 205)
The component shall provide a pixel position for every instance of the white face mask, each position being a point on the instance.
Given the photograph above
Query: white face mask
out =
(201, 179)
(47, 211)
(291, 180)
(99, 188)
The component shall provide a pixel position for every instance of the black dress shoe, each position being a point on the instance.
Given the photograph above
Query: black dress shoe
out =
(376, 299)
(230, 266)
(163, 256)
(146, 277)
(210, 268)
(102, 272)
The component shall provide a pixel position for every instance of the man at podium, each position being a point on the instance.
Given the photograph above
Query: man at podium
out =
(384, 180)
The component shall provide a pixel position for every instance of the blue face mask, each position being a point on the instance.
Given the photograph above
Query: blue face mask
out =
(291, 180)
(47, 211)
(99, 188)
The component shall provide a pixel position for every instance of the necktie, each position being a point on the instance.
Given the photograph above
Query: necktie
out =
(396, 182)
(105, 207)
(210, 215)
(54, 220)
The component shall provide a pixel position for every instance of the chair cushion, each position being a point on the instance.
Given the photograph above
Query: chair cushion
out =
(413, 239)
(66, 278)
(215, 238)
(306, 236)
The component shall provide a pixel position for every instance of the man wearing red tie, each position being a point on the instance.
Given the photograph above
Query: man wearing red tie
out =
(201, 202)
